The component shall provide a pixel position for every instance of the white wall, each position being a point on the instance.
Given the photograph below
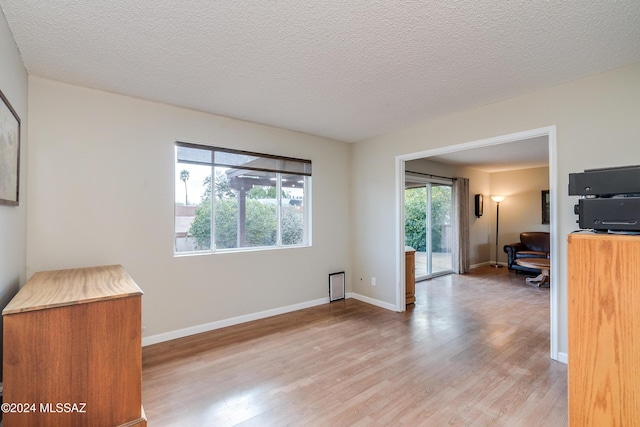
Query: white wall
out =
(479, 228)
(101, 192)
(522, 208)
(597, 126)
(13, 219)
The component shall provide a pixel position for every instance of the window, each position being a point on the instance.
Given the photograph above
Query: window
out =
(229, 200)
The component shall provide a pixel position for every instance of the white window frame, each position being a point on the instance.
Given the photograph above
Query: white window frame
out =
(280, 160)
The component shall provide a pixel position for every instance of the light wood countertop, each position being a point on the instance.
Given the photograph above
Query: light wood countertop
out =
(590, 235)
(58, 288)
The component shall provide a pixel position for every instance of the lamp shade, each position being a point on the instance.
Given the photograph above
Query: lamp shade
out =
(497, 199)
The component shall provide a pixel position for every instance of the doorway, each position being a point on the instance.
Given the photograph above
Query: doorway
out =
(550, 134)
(429, 224)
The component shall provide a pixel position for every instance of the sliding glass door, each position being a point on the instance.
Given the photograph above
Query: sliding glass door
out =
(441, 236)
(429, 224)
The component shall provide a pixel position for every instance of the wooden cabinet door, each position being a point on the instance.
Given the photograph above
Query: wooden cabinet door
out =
(604, 330)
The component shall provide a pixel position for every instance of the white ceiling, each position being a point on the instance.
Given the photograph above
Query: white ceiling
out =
(521, 154)
(346, 70)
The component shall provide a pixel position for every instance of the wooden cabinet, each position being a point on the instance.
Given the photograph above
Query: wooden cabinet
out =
(73, 350)
(604, 330)
(410, 274)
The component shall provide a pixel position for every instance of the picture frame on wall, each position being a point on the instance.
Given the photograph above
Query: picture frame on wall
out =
(9, 153)
(545, 207)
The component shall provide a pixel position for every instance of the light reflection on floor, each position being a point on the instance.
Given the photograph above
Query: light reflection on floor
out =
(236, 409)
(440, 261)
(444, 306)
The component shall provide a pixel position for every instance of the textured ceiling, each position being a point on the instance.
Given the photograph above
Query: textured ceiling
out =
(347, 70)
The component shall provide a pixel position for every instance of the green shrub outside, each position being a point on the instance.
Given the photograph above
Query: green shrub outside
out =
(415, 203)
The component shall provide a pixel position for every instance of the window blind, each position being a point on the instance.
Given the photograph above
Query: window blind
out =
(237, 159)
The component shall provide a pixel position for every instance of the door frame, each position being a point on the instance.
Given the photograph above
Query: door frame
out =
(550, 133)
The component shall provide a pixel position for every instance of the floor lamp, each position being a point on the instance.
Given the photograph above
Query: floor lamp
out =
(497, 199)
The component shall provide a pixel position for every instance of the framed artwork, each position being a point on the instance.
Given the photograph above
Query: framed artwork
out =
(9, 153)
(545, 207)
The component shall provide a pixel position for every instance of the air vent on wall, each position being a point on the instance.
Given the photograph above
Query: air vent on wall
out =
(336, 286)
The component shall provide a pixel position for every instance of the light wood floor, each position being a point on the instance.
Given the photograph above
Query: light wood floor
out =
(474, 351)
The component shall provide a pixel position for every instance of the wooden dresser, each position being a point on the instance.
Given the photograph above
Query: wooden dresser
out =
(73, 350)
(410, 274)
(604, 330)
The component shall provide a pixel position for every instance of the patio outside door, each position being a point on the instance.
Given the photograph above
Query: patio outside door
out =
(428, 226)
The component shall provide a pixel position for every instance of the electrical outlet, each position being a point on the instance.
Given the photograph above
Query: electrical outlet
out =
(373, 281)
